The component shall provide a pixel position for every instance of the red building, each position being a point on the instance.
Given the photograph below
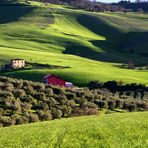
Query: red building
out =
(57, 81)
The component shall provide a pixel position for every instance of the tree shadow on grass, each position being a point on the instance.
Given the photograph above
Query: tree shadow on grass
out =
(11, 13)
(79, 50)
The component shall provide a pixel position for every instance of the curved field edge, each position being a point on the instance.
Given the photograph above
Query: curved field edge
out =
(80, 71)
(122, 130)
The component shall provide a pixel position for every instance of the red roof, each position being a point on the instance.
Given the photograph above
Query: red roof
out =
(54, 80)
(51, 75)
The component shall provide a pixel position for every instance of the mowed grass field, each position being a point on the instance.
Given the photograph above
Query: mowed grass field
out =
(92, 45)
(108, 131)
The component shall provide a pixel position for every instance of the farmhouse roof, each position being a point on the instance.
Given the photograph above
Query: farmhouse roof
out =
(17, 59)
(49, 75)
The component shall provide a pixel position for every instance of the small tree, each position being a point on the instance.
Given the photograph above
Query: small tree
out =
(111, 104)
(131, 107)
(100, 104)
(56, 113)
(46, 116)
(94, 85)
(131, 65)
(33, 117)
(140, 10)
(118, 103)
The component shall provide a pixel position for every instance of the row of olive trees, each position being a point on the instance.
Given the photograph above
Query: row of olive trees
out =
(26, 102)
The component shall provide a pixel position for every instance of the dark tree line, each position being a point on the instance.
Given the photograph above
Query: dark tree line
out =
(8, 1)
(101, 7)
(94, 6)
(139, 6)
(117, 86)
(87, 5)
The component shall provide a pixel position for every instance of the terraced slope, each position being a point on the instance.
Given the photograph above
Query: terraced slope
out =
(91, 131)
(48, 34)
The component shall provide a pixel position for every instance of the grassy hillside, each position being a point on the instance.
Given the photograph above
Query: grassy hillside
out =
(48, 34)
(93, 131)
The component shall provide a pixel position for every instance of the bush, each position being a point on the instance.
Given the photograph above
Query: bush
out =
(66, 110)
(18, 84)
(118, 103)
(48, 91)
(85, 109)
(89, 96)
(7, 87)
(56, 113)
(144, 105)
(61, 99)
(25, 106)
(6, 94)
(33, 117)
(131, 107)
(80, 94)
(46, 116)
(94, 85)
(111, 104)
(38, 86)
(29, 89)
(71, 103)
(7, 121)
(1, 125)
(71, 96)
(22, 120)
(101, 104)
(4, 79)
(58, 91)
(19, 120)
(28, 99)
(39, 96)
(52, 102)
(19, 93)
(140, 10)
(12, 105)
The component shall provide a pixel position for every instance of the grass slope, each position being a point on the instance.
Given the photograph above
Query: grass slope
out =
(120, 130)
(29, 34)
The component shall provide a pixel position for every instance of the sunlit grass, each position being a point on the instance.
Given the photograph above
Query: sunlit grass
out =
(120, 130)
(33, 38)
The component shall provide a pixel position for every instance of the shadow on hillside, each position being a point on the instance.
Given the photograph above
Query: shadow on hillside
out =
(10, 13)
(98, 27)
(118, 46)
(79, 50)
(135, 39)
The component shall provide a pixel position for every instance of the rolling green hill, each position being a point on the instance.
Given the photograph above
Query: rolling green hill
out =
(93, 131)
(92, 45)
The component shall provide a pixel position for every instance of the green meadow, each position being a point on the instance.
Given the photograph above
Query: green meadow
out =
(108, 131)
(91, 45)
